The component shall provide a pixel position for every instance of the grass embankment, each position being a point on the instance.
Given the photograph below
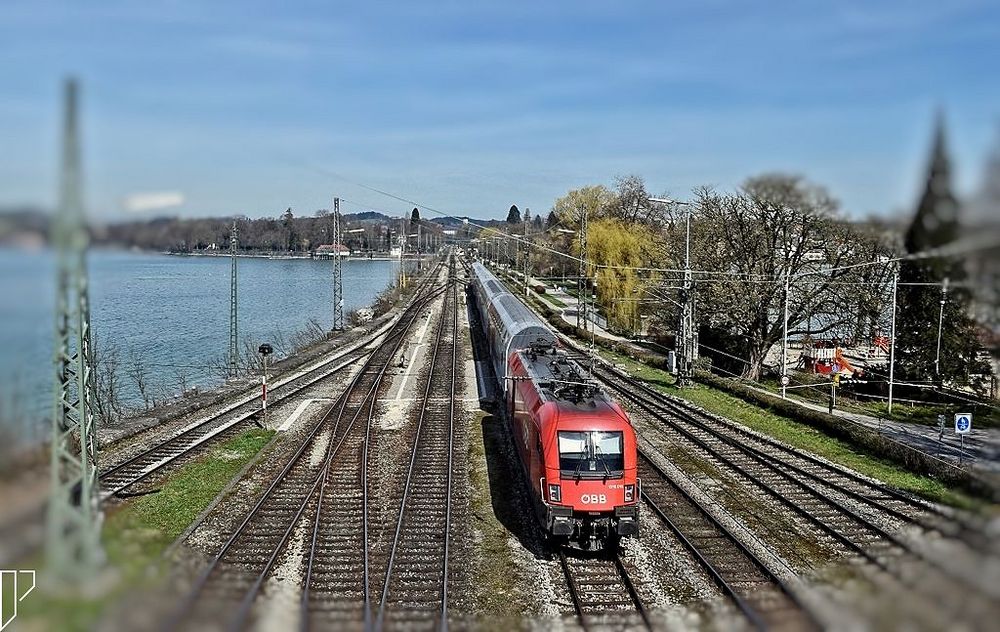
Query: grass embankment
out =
(904, 410)
(793, 433)
(496, 574)
(153, 522)
(137, 533)
(552, 300)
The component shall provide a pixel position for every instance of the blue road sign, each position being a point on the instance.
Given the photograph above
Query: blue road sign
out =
(963, 423)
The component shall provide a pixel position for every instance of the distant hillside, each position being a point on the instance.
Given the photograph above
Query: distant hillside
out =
(450, 222)
(24, 226)
(367, 216)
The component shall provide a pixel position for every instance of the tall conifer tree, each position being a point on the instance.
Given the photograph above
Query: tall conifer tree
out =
(935, 224)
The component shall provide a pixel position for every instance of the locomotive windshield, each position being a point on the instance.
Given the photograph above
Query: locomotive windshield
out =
(591, 454)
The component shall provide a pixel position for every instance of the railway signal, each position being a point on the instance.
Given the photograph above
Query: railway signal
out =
(264, 350)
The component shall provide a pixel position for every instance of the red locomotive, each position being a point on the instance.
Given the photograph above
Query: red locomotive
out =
(576, 445)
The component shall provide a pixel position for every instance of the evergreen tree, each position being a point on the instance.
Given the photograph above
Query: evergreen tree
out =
(935, 224)
(526, 218)
(288, 221)
(537, 223)
(415, 214)
(513, 215)
(552, 220)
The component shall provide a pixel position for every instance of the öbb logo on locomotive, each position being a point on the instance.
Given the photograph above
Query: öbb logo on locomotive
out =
(576, 446)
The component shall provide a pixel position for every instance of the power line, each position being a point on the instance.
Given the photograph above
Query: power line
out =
(958, 247)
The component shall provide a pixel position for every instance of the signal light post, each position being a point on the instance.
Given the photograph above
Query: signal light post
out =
(264, 350)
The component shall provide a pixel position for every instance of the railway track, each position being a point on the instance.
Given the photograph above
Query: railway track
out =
(860, 516)
(117, 479)
(340, 574)
(760, 595)
(602, 591)
(892, 502)
(415, 588)
(234, 578)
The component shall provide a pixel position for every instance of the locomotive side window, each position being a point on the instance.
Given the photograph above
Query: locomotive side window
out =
(591, 454)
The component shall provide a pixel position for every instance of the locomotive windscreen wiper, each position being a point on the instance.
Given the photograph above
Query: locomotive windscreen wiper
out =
(598, 455)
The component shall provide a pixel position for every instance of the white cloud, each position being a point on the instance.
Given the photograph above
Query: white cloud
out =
(141, 202)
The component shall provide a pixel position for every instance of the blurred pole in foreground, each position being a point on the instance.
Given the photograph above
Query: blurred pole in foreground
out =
(73, 546)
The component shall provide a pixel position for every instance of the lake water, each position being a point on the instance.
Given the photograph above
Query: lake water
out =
(173, 310)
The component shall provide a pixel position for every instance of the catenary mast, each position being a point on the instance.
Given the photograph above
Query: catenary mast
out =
(233, 320)
(338, 274)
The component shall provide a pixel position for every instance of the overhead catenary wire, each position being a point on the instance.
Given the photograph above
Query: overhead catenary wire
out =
(958, 247)
(979, 242)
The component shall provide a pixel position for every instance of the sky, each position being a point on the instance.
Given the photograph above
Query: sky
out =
(468, 107)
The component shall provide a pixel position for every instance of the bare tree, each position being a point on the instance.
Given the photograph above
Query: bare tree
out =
(313, 333)
(279, 342)
(181, 379)
(110, 400)
(138, 371)
(250, 360)
(632, 201)
(777, 232)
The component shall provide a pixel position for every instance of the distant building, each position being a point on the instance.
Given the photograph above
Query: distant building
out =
(327, 251)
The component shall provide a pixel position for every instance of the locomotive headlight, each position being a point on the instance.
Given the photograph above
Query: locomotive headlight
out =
(629, 493)
(555, 493)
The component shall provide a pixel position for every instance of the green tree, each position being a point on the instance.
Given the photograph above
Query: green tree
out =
(595, 200)
(614, 249)
(513, 215)
(935, 224)
(288, 223)
(551, 220)
(983, 266)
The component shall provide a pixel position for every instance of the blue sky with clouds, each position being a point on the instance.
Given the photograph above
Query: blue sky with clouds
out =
(470, 106)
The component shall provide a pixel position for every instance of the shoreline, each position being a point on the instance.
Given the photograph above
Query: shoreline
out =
(223, 253)
(26, 426)
(17, 249)
(27, 451)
